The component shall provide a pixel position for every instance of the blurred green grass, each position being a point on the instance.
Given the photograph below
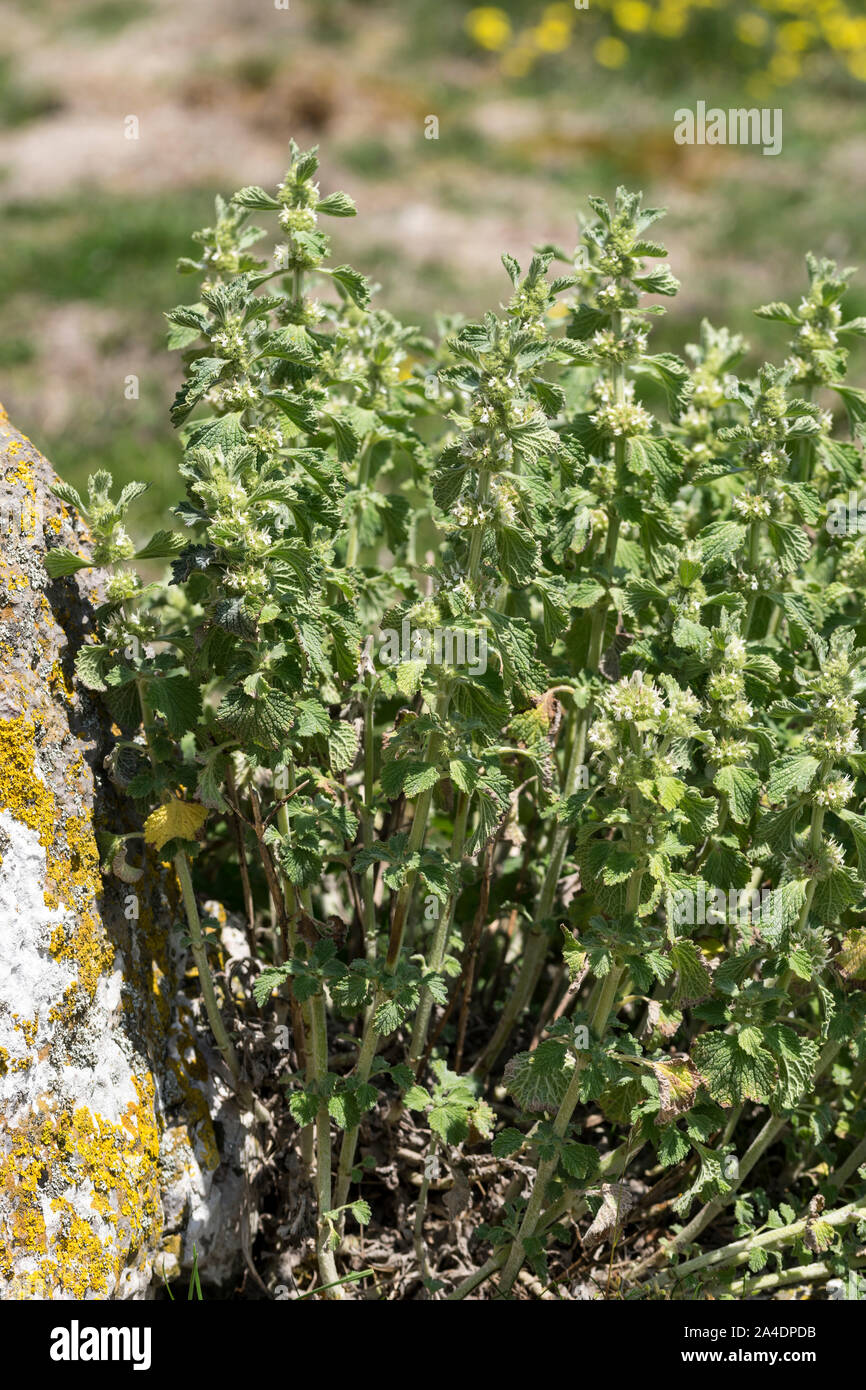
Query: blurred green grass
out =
(118, 255)
(98, 246)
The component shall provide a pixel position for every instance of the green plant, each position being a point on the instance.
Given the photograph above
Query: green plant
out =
(472, 806)
(193, 1293)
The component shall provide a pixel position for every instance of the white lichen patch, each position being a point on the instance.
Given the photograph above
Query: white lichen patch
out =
(31, 981)
(71, 1106)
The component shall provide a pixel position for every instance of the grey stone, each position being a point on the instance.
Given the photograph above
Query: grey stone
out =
(110, 1096)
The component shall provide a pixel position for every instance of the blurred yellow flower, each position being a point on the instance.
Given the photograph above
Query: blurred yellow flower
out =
(670, 21)
(490, 27)
(792, 30)
(796, 35)
(552, 35)
(611, 53)
(857, 65)
(784, 67)
(632, 15)
(752, 28)
(518, 61)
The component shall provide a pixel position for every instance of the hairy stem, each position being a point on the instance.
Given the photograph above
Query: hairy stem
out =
(440, 935)
(368, 819)
(319, 1036)
(855, 1160)
(708, 1213)
(199, 954)
(748, 1286)
(738, 1251)
(353, 545)
(430, 1168)
(535, 950)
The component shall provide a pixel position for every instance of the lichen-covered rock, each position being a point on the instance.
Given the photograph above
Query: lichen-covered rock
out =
(109, 1164)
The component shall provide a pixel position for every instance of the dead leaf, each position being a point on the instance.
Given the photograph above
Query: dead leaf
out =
(678, 1080)
(174, 820)
(617, 1201)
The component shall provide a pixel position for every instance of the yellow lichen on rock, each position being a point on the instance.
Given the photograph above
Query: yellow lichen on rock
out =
(115, 1166)
(22, 791)
(108, 1149)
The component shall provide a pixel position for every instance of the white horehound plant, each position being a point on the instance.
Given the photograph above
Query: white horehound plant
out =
(442, 860)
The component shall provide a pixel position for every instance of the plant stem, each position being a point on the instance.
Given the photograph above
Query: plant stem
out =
(784, 1278)
(368, 818)
(546, 1170)
(606, 999)
(547, 1167)
(815, 828)
(536, 945)
(199, 950)
(535, 949)
(199, 953)
(612, 1166)
(369, 1047)
(754, 557)
(249, 906)
(370, 1037)
(290, 895)
(738, 1252)
(855, 1160)
(353, 545)
(766, 1136)
(317, 1070)
(319, 1034)
(441, 934)
(430, 1163)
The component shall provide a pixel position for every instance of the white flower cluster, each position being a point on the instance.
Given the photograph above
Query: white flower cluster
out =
(267, 438)
(812, 336)
(641, 702)
(752, 506)
(633, 708)
(620, 418)
(839, 744)
(735, 651)
(288, 189)
(726, 686)
(469, 512)
(487, 453)
(831, 858)
(314, 311)
(771, 460)
(607, 347)
(834, 711)
(835, 795)
(505, 498)
(697, 426)
(726, 751)
(235, 395)
(230, 341)
(456, 585)
(634, 703)
(297, 219)
(797, 366)
(352, 364)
